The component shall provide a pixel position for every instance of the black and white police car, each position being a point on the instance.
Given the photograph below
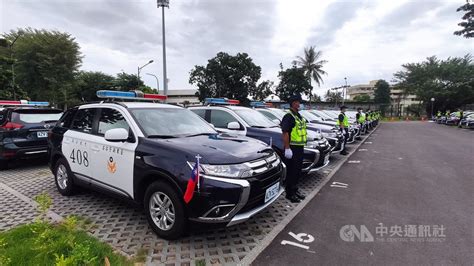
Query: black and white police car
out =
(146, 152)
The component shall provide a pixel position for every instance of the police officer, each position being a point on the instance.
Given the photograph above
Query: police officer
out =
(293, 127)
(360, 117)
(368, 119)
(343, 124)
(460, 115)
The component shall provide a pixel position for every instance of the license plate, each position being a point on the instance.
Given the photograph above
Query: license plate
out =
(42, 134)
(326, 158)
(272, 192)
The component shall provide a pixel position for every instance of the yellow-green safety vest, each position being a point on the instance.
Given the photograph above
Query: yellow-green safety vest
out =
(361, 118)
(298, 135)
(345, 122)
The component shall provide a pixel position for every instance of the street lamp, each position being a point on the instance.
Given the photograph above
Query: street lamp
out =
(157, 82)
(163, 4)
(432, 106)
(140, 68)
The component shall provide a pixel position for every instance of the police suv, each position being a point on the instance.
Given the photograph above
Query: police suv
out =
(146, 152)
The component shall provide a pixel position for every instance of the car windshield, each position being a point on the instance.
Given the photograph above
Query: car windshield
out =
(278, 113)
(321, 114)
(254, 118)
(170, 122)
(41, 116)
(309, 116)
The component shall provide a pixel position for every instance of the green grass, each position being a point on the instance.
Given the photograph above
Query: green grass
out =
(42, 243)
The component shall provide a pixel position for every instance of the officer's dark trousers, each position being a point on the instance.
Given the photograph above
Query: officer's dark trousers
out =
(346, 137)
(294, 166)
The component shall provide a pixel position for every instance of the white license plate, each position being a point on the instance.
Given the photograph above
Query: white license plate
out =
(272, 192)
(42, 134)
(326, 158)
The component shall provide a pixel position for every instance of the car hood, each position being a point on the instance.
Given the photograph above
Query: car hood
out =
(218, 148)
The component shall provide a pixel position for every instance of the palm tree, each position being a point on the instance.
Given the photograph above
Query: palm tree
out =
(312, 65)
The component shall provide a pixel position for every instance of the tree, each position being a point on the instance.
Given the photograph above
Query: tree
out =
(316, 98)
(127, 82)
(46, 64)
(450, 81)
(468, 20)
(333, 96)
(292, 81)
(312, 66)
(262, 91)
(382, 92)
(87, 83)
(362, 98)
(226, 76)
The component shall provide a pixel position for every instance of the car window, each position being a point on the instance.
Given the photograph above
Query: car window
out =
(220, 118)
(200, 112)
(110, 119)
(66, 119)
(83, 120)
(3, 116)
(254, 118)
(30, 116)
(268, 115)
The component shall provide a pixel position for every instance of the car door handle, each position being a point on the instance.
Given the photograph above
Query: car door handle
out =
(95, 148)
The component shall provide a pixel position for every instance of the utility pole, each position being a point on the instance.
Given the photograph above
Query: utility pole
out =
(163, 4)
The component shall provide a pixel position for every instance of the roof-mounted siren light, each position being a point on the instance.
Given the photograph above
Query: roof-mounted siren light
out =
(222, 101)
(23, 103)
(259, 104)
(130, 95)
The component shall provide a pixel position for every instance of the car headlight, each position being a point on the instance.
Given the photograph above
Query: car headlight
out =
(329, 135)
(227, 170)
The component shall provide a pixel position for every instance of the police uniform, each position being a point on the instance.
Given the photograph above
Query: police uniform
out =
(294, 124)
(344, 120)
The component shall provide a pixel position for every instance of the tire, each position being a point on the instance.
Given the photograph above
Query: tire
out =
(160, 221)
(63, 178)
(3, 164)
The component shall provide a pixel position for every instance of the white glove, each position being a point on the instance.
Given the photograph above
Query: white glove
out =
(288, 154)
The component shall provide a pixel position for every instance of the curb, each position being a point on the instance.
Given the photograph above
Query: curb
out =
(253, 254)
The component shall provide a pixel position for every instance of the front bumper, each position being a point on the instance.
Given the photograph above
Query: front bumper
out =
(239, 198)
(10, 151)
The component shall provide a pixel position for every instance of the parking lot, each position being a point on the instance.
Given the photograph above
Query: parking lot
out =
(125, 226)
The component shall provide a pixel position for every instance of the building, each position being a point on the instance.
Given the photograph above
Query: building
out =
(183, 97)
(396, 95)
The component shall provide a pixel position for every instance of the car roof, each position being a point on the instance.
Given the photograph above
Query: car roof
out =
(132, 105)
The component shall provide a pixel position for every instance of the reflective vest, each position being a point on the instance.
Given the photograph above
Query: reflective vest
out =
(298, 133)
(361, 118)
(345, 122)
(458, 114)
(438, 114)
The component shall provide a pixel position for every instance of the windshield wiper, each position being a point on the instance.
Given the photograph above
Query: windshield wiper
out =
(258, 126)
(200, 134)
(162, 136)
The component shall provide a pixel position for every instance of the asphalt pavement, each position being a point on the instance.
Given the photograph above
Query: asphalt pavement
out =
(405, 197)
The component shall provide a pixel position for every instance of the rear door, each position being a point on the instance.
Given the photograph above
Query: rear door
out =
(76, 143)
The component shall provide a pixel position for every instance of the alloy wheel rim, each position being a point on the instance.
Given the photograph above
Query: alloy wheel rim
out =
(61, 177)
(162, 211)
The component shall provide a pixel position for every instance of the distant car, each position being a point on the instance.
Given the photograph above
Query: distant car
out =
(468, 120)
(452, 120)
(244, 121)
(313, 118)
(24, 131)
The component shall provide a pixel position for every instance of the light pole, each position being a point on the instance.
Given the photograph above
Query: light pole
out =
(343, 93)
(13, 63)
(157, 82)
(163, 4)
(432, 106)
(139, 69)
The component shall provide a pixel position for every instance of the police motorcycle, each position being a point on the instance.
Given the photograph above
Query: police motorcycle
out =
(226, 116)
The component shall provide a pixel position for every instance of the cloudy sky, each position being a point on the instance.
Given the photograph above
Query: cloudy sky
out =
(362, 40)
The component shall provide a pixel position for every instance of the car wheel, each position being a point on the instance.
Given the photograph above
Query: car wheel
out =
(63, 178)
(3, 164)
(165, 210)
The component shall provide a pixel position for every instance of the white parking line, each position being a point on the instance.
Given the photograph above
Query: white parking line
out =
(363, 150)
(353, 162)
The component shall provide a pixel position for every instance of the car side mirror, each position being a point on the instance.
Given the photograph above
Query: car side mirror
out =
(233, 126)
(116, 135)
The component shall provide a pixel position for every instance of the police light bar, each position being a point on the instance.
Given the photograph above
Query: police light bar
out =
(23, 103)
(260, 104)
(130, 95)
(221, 101)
